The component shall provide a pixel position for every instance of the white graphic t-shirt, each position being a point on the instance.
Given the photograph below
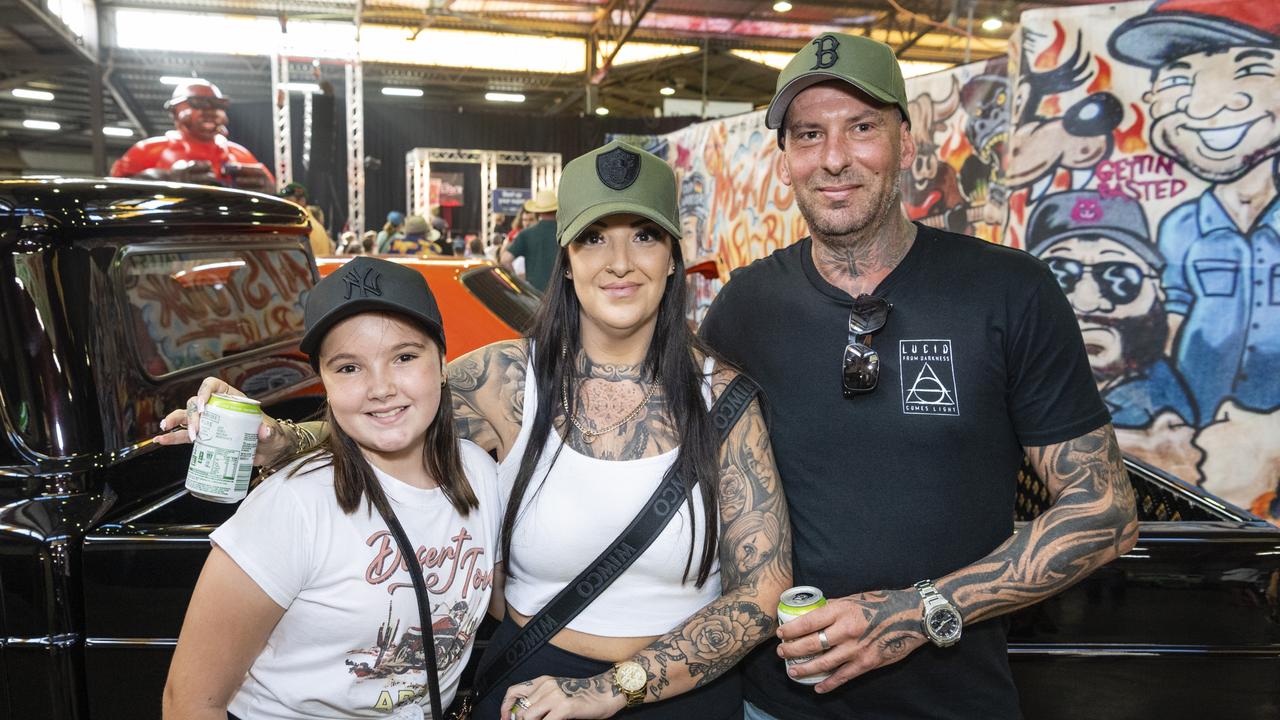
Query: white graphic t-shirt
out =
(350, 643)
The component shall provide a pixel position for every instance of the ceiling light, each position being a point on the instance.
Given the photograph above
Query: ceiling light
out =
(504, 97)
(29, 94)
(402, 91)
(301, 87)
(41, 125)
(992, 24)
(117, 131)
(667, 90)
(782, 6)
(175, 79)
(602, 110)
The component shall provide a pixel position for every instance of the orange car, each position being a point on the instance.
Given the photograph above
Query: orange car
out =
(481, 302)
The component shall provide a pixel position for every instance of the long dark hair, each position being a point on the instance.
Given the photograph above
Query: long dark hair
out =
(354, 479)
(557, 329)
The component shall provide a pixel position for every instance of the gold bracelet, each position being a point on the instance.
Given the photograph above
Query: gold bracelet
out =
(303, 439)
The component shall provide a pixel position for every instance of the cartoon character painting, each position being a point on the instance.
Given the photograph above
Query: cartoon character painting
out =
(1214, 105)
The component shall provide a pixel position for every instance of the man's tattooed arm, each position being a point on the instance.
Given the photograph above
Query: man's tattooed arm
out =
(755, 567)
(487, 386)
(1091, 521)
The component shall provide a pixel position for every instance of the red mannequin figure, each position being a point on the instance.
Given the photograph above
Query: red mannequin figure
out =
(197, 150)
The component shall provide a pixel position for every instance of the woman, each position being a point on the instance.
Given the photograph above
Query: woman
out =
(304, 609)
(608, 394)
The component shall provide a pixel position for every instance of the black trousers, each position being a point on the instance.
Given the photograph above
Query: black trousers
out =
(718, 700)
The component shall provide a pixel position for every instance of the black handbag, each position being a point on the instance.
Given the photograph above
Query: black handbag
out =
(661, 507)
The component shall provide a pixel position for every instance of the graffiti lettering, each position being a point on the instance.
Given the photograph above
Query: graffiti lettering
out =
(1141, 177)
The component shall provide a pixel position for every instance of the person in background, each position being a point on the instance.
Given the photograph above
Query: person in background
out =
(536, 244)
(368, 241)
(438, 223)
(416, 239)
(347, 244)
(391, 231)
(321, 243)
(295, 192)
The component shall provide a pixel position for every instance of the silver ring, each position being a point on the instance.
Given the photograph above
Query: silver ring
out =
(522, 702)
(822, 640)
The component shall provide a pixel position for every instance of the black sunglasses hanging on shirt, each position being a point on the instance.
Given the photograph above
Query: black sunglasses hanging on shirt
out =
(860, 370)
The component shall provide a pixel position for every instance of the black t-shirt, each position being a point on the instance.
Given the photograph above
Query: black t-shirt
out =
(981, 355)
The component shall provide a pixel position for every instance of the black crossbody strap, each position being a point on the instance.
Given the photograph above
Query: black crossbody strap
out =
(661, 507)
(410, 558)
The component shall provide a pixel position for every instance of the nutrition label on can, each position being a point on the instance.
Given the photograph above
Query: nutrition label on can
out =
(222, 471)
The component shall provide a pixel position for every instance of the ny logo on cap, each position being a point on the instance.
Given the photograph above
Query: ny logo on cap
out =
(825, 56)
(618, 168)
(370, 283)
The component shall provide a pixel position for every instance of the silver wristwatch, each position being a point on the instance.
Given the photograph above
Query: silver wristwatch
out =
(941, 620)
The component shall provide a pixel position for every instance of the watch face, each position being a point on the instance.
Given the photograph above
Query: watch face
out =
(630, 676)
(944, 623)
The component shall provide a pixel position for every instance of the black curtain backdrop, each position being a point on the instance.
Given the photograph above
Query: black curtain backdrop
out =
(394, 127)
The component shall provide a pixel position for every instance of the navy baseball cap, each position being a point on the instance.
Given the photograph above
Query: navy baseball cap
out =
(368, 284)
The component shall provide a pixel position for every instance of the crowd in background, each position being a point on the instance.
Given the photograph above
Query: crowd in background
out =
(523, 243)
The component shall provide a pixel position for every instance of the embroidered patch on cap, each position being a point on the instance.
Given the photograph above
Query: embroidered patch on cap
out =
(618, 168)
(825, 56)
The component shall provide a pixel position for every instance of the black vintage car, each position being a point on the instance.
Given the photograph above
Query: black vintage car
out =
(117, 297)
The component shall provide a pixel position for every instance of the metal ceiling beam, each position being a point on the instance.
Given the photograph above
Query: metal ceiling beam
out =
(85, 48)
(606, 30)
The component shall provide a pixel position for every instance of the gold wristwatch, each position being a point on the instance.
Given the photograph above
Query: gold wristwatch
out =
(630, 679)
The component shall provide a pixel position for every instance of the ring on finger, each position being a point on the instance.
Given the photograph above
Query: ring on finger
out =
(522, 702)
(822, 640)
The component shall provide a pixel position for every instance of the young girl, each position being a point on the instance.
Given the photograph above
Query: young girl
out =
(305, 607)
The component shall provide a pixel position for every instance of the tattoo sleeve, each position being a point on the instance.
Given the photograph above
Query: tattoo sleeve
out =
(488, 394)
(1092, 521)
(755, 567)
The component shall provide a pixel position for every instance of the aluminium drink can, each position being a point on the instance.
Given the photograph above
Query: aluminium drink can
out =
(222, 456)
(792, 604)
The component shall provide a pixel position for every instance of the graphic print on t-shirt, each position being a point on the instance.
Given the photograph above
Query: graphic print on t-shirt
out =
(928, 378)
(395, 656)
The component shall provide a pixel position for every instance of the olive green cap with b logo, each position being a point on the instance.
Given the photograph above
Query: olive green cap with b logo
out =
(862, 62)
(616, 179)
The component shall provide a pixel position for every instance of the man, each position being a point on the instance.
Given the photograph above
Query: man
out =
(416, 240)
(900, 419)
(195, 150)
(1101, 253)
(536, 244)
(393, 230)
(1215, 109)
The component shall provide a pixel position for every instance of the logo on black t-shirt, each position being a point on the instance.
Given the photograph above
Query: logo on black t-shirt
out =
(928, 378)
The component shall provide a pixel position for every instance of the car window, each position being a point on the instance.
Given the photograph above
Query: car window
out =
(513, 300)
(193, 307)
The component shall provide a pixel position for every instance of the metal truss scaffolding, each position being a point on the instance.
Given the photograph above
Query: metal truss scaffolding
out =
(355, 147)
(545, 173)
(281, 130)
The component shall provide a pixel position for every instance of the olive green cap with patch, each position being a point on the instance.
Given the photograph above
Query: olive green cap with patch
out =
(862, 62)
(616, 179)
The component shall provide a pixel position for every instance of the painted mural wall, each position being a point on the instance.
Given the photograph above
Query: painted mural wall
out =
(1132, 147)
(1142, 169)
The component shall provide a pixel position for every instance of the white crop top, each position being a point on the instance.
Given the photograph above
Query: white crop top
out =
(567, 520)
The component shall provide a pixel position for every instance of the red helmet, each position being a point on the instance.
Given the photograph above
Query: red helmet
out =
(201, 91)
